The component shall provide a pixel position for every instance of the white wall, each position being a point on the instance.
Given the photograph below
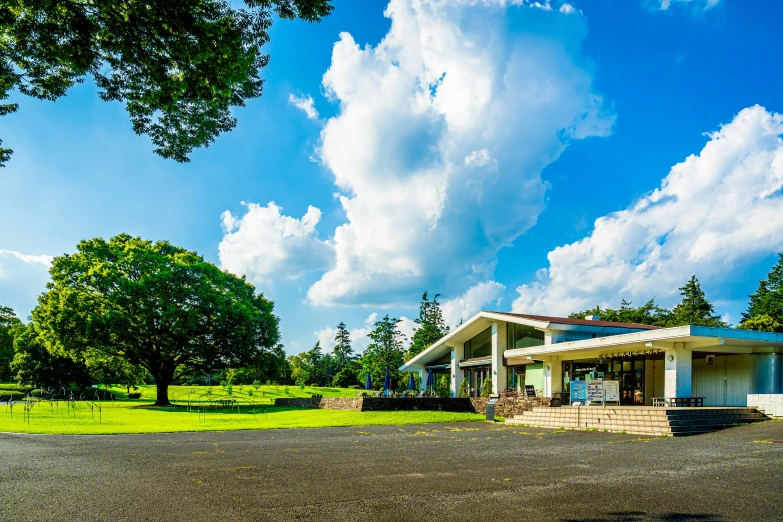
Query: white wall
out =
(726, 382)
(770, 404)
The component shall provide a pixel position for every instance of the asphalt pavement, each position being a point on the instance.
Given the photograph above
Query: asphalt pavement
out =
(466, 471)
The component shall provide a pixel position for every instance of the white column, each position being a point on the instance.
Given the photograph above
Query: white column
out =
(547, 378)
(556, 371)
(457, 354)
(677, 381)
(499, 371)
(423, 378)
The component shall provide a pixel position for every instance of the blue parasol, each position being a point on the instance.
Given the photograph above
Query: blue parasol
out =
(430, 378)
(411, 383)
(387, 381)
(368, 382)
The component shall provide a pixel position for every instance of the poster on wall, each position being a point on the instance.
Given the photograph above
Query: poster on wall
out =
(578, 391)
(595, 391)
(612, 391)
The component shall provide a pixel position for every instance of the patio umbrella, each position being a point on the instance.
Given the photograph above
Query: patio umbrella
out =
(411, 383)
(368, 382)
(387, 381)
(430, 378)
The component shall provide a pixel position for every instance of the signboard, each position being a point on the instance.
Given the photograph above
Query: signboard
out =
(595, 390)
(578, 391)
(710, 359)
(492, 401)
(612, 391)
(530, 391)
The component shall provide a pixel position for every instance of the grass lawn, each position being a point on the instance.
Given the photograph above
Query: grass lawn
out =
(139, 416)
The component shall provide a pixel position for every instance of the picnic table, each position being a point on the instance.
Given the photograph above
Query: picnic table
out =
(679, 402)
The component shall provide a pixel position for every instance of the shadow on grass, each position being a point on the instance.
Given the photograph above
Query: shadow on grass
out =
(641, 516)
(242, 409)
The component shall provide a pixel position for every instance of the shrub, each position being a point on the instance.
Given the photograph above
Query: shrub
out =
(464, 389)
(486, 387)
(135, 395)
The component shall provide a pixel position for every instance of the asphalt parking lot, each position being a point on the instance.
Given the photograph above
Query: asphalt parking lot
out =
(468, 471)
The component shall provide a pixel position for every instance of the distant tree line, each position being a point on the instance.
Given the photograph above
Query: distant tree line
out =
(128, 311)
(764, 311)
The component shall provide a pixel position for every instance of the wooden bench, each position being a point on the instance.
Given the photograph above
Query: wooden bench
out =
(679, 402)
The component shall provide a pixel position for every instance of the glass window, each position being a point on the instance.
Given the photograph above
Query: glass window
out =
(521, 336)
(480, 345)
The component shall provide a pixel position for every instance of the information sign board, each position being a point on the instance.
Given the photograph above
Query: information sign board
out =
(612, 391)
(530, 391)
(595, 390)
(578, 391)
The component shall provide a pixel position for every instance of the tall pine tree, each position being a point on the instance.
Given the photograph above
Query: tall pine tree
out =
(431, 326)
(767, 301)
(343, 353)
(386, 352)
(694, 308)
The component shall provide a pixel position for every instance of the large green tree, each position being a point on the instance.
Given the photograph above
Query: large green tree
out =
(8, 320)
(178, 65)
(431, 326)
(767, 300)
(34, 365)
(155, 305)
(386, 352)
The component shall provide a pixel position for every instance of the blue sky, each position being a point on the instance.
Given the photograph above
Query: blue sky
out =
(466, 148)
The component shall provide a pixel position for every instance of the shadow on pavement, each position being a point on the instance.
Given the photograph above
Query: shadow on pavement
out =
(641, 516)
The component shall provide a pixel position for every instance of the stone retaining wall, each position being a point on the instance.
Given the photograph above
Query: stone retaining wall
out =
(505, 407)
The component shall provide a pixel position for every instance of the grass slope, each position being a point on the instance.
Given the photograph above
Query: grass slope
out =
(255, 413)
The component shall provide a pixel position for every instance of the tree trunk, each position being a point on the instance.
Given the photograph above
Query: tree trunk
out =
(163, 392)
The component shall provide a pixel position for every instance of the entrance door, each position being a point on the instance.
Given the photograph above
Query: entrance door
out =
(631, 377)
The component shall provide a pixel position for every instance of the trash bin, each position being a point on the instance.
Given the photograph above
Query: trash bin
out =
(491, 409)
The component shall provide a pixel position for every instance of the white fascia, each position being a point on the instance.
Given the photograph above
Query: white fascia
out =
(657, 338)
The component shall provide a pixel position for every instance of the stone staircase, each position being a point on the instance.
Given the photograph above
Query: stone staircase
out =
(638, 420)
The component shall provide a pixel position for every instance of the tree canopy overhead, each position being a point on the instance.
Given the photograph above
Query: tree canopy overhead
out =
(178, 65)
(154, 305)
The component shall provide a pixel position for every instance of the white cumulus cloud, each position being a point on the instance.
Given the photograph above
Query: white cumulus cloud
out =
(713, 212)
(360, 337)
(703, 4)
(305, 104)
(472, 302)
(22, 278)
(266, 245)
(443, 130)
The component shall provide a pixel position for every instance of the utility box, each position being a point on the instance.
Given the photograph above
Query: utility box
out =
(491, 409)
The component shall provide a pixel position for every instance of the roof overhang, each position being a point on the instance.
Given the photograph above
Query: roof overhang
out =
(469, 329)
(694, 338)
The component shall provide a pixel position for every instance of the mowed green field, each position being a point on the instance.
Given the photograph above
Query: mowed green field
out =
(254, 412)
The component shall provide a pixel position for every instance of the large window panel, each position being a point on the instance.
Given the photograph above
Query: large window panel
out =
(521, 336)
(480, 345)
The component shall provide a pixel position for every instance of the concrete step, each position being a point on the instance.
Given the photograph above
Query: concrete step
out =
(642, 421)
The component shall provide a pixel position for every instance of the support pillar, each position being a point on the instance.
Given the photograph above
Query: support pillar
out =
(457, 354)
(678, 371)
(556, 371)
(553, 376)
(499, 370)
